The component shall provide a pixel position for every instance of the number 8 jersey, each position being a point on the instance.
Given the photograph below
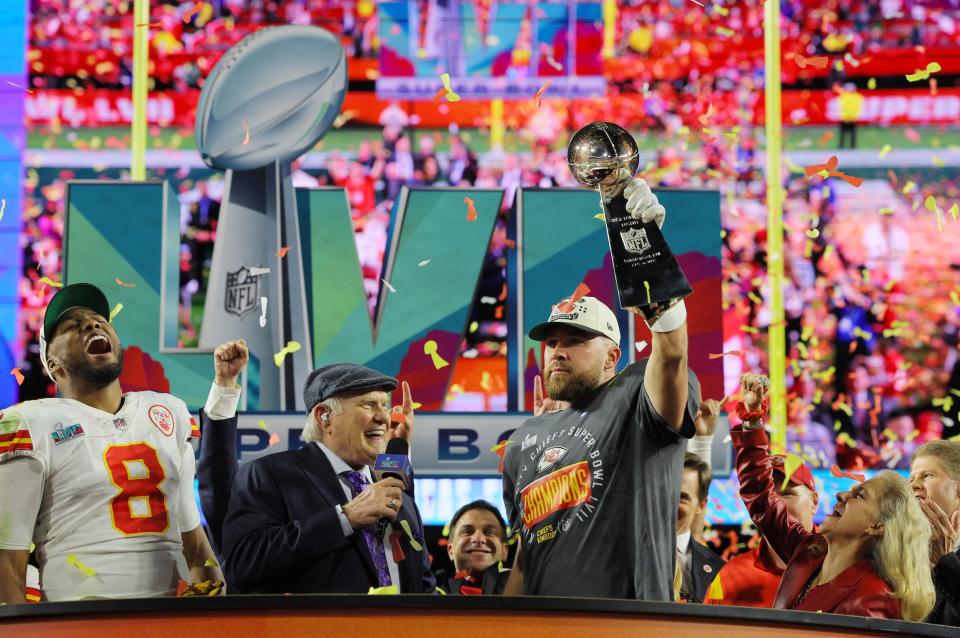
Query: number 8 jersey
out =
(103, 496)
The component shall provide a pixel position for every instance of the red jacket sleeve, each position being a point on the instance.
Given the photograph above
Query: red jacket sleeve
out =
(767, 509)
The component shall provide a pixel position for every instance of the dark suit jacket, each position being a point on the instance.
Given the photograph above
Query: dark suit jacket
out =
(282, 532)
(857, 591)
(216, 469)
(946, 578)
(704, 565)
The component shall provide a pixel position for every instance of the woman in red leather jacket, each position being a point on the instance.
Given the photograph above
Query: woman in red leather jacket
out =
(870, 557)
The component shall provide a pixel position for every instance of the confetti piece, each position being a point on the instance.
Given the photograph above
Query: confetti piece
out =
(193, 12)
(886, 149)
(578, 294)
(725, 31)
(500, 449)
(344, 117)
(114, 312)
(813, 169)
(731, 353)
(274, 439)
(263, 312)
(817, 62)
(388, 285)
(599, 216)
(124, 284)
(51, 282)
(750, 329)
(838, 473)
(430, 348)
(389, 590)
(290, 348)
(872, 83)
(640, 345)
(912, 135)
(954, 211)
(450, 95)
(826, 137)
(646, 284)
(471, 209)
(211, 563)
(539, 94)
(813, 233)
(3, 207)
(283, 251)
(923, 74)
(908, 187)
(930, 203)
(150, 25)
(424, 263)
(439, 95)
(263, 425)
(74, 561)
(413, 541)
(791, 463)
(850, 179)
(474, 326)
(256, 272)
(509, 243)
(17, 375)
(246, 133)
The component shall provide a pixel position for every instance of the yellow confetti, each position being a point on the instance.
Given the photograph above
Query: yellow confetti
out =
(646, 284)
(912, 436)
(930, 203)
(599, 216)
(791, 463)
(413, 542)
(262, 424)
(750, 329)
(430, 348)
(211, 563)
(474, 326)
(725, 31)
(115, 311)
(450, 95)
(923, 74)
(716, 589)
(886, 149)
(954, 210)
(389, 590)
(813, 233)
(938, 161)
(51, 282)
(74, 561)
(290, 348)
(908, 187)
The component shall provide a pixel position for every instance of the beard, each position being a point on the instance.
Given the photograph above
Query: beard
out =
(100, 376)
(571, 387)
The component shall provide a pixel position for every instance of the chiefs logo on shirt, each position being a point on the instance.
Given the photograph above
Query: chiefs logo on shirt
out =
(549, 457)
(161, 417)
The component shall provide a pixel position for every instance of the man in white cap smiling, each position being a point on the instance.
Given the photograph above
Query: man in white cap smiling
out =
(100, 480)
(592, 481)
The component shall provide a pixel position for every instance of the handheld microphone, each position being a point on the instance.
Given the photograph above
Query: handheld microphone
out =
(394, 463)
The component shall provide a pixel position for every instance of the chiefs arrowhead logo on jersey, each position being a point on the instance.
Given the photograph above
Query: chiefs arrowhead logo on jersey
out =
(549, 457)
(161, 417)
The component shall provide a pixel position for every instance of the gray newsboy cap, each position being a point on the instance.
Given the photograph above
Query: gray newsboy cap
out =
(337, 378)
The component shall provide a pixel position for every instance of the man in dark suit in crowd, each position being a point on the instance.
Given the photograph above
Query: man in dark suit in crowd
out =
(698, 564)
(478, 548)
(306, 521)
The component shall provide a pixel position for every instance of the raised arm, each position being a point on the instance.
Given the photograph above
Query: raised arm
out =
(755, 472)
(665, 378)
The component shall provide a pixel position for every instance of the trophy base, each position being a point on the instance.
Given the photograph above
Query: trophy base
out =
(647, 272)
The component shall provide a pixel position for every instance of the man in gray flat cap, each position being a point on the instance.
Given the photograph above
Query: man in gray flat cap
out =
(306, 521)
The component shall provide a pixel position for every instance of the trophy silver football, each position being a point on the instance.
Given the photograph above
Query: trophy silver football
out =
(604, 157)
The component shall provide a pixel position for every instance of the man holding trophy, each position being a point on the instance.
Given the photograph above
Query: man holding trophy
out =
(593, 487)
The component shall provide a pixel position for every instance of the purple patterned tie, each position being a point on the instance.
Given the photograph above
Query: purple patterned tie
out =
(358, 483)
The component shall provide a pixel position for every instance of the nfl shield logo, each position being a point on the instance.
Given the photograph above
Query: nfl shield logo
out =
(120, 424)
(242, 292)
(635, 240)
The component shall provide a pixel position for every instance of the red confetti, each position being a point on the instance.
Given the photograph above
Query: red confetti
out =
(850, 179)
(283, 251)
(826, 137)
(539, 94)
(182, 587)
(509, 243)
(817, 62)
(461, 573)
(150, 24)
(912, 135)
(439, 95)
(813, 169)
(837, 472)
(500, 449)
(705, 118)
(398, 417)
(578, 294)
(125, 285)
(17, 375)
(274, 439)
(471, 209)
(194, 10)
(731, 353)
(398, 555)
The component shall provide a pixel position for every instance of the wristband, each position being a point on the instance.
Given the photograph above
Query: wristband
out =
(744, 415)
(670, 319)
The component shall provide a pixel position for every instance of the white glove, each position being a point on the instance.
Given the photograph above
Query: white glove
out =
(642, 204)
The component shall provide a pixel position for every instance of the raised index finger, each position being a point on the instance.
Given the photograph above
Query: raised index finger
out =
(407, 398)
(537, 392)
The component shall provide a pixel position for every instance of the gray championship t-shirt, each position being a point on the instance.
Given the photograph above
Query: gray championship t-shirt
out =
(594, 490)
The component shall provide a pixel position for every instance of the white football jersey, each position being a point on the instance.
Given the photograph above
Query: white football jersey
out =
(112, 508)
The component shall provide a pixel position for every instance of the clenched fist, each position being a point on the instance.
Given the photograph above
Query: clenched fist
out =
(754, 388)
(229, 360)
(380, 500)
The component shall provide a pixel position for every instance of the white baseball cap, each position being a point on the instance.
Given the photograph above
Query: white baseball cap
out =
(588, 314)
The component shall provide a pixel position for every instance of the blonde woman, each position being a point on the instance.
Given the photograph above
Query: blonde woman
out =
(870, 557)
